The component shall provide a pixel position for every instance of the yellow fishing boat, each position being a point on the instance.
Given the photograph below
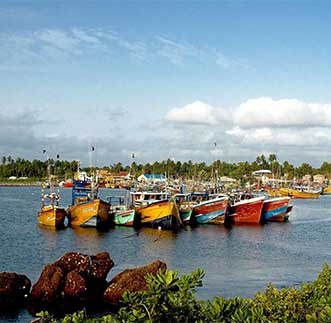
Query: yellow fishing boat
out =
(162, 214)
(273, 192)
(89, 213)
(87, 209)
(299, 194)
(51, 215)
(327, 190)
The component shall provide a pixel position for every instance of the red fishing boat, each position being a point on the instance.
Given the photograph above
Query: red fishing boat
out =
(210, 211)
(247, 211)
(275, 209)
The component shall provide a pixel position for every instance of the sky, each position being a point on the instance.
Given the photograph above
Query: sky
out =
(185, 80)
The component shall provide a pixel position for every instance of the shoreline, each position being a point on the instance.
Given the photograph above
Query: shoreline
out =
(21, 184)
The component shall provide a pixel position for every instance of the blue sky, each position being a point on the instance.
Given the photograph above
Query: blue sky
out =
(166, 79)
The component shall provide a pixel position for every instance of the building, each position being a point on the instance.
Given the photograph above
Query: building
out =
(318, 178)
(263, 176)
(152, 178)
(306, 178)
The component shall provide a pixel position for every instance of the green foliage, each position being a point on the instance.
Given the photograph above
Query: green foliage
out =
(78, 317)
(235, 310)
(187, 170)
(310, 303)
(170, 298)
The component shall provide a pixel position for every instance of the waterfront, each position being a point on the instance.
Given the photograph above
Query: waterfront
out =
(238, 262)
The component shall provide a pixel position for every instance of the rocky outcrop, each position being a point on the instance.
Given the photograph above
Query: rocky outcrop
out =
(14, 289)
(132, 280)
(72, 278)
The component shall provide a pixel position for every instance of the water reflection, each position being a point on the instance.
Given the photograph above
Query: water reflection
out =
(238, 261)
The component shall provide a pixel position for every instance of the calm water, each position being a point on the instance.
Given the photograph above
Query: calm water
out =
(237, 262)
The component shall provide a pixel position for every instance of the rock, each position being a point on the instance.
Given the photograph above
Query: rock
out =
(48, 287)
(101, 265)
(72, 279)
(14, 289)
(74, 261)
(75, 285)
(132, 280)
(97, 266)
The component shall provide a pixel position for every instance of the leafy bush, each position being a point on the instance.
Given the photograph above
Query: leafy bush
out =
(170, 298)
(78, 317)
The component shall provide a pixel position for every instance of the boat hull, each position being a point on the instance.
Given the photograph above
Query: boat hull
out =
(326, 191)
(93, 213)
(126, 218)
(275, 209)
(52, 216)
(298, 194)
(247, 211)
(211, 211)
(185, 216)
(161, 214)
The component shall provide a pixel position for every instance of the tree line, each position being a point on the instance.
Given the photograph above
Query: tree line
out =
(189, 170)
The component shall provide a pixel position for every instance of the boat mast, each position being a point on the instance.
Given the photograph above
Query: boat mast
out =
(92, 175)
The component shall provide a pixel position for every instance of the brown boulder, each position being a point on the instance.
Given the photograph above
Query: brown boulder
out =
(14, 288)
(101, 264)
(132, 280)
(74, 285)
(74, 261)
(73, 278)
(49, 285)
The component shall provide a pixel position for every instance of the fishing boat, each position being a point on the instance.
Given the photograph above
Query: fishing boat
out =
(121, 213)
(273, 192)
(163, 214)
(67, 183)
(275, 209)
(185, 205)
(211, 211)
(141, 198)
(51, 214)
(326, 190)
(300, 193)
(247, 211)
(87, 209)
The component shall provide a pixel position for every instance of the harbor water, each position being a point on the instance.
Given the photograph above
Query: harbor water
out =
(238, 261)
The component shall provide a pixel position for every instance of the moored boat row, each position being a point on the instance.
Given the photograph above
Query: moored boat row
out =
(88, 210)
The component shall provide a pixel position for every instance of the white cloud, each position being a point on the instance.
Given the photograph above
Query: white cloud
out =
(298, 137)
(198, 113)
(266, 112)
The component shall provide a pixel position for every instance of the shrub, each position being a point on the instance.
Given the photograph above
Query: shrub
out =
(170, 298)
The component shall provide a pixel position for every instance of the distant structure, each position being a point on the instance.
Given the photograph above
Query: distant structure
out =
(263, 175)
(306, 179)
(320, 179)
(152, 178)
